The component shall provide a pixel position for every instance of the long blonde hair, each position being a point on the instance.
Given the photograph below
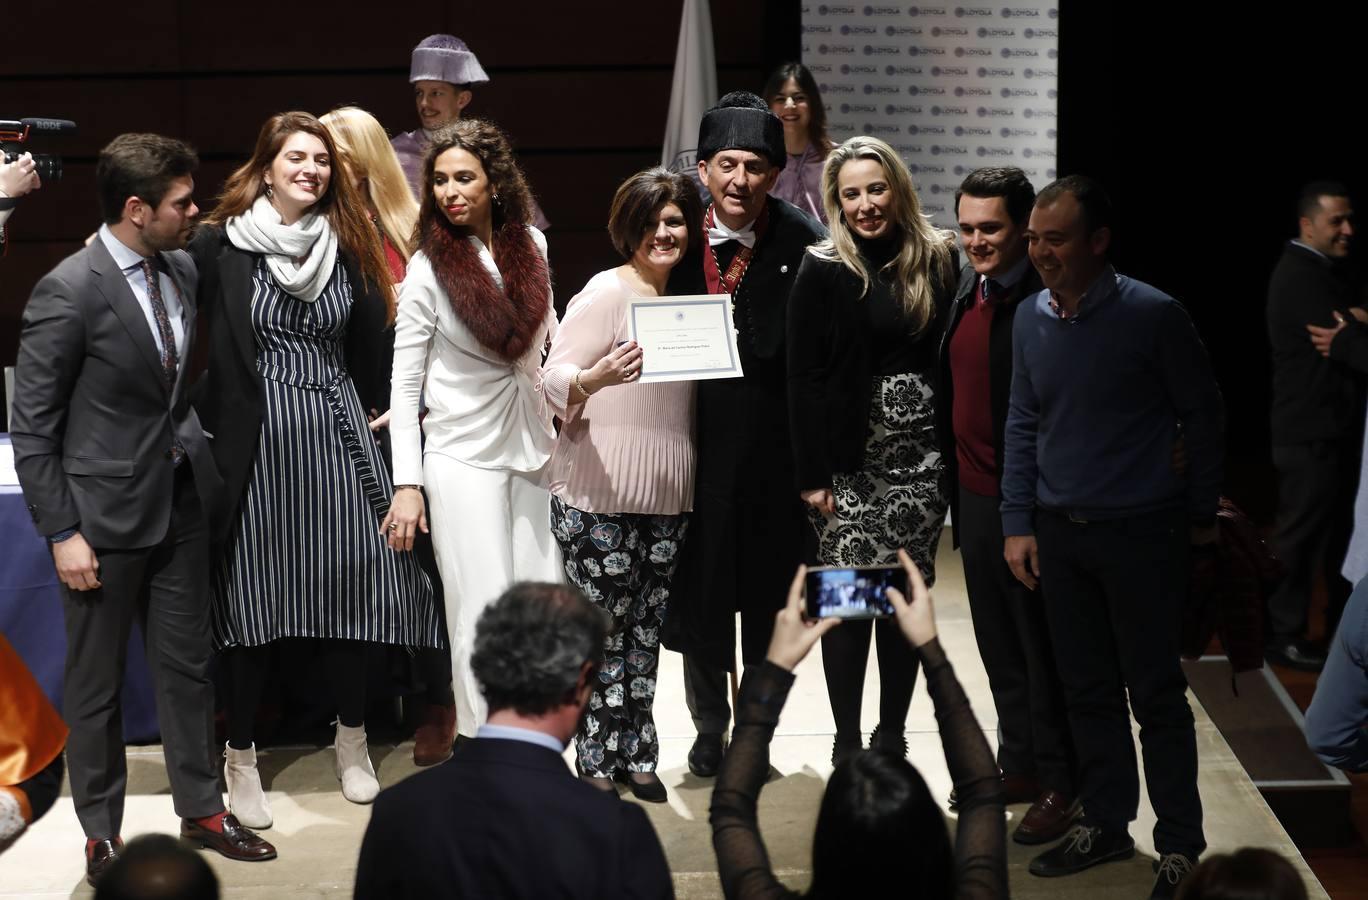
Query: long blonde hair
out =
(367, 151)
(924, 257)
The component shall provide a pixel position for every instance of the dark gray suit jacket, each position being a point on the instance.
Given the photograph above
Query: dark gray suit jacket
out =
(93, 419)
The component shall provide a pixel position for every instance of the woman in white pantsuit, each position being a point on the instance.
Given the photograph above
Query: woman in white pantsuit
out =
(474, 319)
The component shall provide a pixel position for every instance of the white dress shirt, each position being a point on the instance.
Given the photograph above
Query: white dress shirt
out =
(482, 410)
(130, 261)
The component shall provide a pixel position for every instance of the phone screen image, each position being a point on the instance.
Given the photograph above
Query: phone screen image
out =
(860, 593)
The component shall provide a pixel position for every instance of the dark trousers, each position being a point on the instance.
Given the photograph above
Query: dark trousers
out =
(1014, 643)
(1113, 595)
(1316, 487)
(705, 688)
(166, 589)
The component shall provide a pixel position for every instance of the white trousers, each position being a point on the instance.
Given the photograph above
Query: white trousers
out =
(490, 528)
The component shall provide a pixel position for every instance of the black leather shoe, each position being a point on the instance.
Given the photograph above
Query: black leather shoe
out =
(234, 841)
(1172, 869)
(1085, 846)
(1295, 653)
(705, 755)
(1048, 818)
(99, 857)
(652, 790)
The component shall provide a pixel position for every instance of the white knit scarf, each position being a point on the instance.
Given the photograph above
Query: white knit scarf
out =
(260, 230)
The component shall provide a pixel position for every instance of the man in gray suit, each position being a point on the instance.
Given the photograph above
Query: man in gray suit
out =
(118, 475)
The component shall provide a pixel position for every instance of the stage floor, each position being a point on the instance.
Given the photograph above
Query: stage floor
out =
(318, 832)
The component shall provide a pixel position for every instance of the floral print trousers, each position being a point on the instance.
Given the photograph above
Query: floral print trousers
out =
(624, 563)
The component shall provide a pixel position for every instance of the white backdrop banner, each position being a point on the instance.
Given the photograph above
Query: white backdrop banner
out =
(952, 88)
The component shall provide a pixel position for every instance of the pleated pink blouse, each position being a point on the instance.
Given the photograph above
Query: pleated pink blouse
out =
(629, 448)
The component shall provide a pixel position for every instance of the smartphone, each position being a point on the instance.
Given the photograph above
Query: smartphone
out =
(858, 593)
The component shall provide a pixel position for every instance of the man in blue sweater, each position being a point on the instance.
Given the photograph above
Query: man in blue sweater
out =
(1106, 373)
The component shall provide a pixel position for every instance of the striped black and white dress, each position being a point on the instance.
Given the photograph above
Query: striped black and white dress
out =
(305, 557)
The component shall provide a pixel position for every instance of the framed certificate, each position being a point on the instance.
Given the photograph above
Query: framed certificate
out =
(684, 338)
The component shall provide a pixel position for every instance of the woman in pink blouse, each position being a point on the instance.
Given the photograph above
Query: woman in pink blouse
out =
(793, 96)
(622, 474)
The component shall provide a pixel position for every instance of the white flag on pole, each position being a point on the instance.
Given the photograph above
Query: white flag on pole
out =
(694, 88)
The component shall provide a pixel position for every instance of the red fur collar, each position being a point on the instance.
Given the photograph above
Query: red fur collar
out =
(506, 321)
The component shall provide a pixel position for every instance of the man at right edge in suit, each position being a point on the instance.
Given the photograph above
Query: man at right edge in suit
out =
(117, 473)
(1034, 749)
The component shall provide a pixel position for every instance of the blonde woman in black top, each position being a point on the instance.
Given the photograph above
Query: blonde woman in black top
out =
(865, 317)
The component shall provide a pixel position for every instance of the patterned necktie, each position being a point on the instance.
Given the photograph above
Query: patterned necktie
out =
(169, 358)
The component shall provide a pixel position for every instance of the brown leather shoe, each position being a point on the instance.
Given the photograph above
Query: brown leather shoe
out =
(432, 741)
(100, 855)
(234, 841)
(1048, 819)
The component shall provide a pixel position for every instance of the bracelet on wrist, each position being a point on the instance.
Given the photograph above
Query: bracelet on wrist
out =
(412, 487)
(580, 385)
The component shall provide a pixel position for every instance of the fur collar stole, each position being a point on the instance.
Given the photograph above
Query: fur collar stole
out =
(506, 321)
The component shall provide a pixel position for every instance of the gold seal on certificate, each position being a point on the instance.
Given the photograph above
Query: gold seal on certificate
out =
(684, 338)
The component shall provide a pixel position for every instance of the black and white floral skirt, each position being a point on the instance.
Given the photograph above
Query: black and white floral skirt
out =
(895, 500)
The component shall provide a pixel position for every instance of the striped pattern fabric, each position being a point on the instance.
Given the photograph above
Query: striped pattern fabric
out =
(306, 558)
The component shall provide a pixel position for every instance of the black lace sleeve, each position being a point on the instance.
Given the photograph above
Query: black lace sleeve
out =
(981, 837)
(742, 863)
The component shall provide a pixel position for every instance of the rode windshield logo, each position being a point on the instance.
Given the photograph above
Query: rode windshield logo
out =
(903, 70)
(973, 92)
(999, 72)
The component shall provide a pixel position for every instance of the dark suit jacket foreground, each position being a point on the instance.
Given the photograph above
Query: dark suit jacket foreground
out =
(506, 818)
(94, 420)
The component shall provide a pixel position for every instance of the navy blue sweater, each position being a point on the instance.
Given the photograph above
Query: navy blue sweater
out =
(1096, 404)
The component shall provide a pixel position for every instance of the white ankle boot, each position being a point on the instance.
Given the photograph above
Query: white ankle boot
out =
(246, 799)
(354, 768)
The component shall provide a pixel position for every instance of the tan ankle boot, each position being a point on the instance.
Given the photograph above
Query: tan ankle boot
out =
(246, 798)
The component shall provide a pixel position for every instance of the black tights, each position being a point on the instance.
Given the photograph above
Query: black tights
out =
(845, 655)
(248, 668)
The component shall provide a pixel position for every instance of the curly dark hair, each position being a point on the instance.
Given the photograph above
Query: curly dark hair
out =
(512, 199)
(531, 643)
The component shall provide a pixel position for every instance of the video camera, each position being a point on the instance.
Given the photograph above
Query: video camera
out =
(15, 132)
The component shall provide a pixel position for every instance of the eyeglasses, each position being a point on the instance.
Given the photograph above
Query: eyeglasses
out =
(785, 99)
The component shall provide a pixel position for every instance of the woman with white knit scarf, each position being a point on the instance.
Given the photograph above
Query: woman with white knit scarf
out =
(299, 299)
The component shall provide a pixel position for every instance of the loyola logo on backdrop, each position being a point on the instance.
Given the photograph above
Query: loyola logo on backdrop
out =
(997, 32)
(905, 30)
(903, 70)
(926, 10)
(973, 92)
(882, 10)
(685, 161)
(999, 72)
(858, 69)
(949, 71)
(859, 29)
(882, 89)
(1038, 33)
(928, 130)
(881, 50)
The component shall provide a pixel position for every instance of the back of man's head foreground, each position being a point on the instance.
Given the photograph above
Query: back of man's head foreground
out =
(531, 645)
(158, 867)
